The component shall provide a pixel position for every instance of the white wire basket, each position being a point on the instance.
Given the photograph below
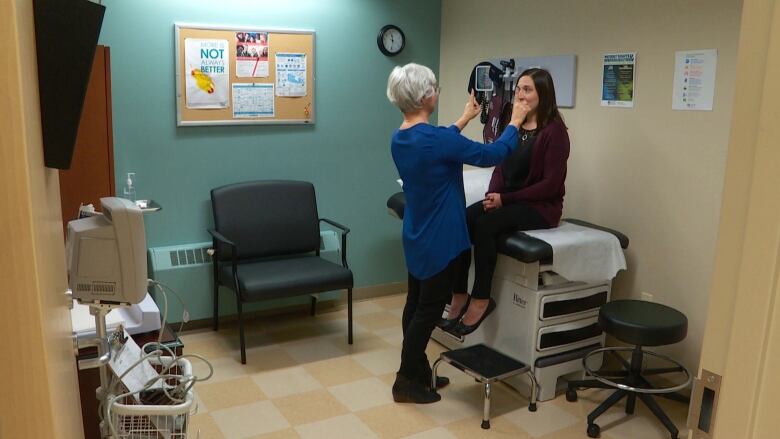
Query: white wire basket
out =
(132, 420)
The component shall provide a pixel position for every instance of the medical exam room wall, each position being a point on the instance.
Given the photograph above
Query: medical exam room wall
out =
(651, 172)
(346, 154)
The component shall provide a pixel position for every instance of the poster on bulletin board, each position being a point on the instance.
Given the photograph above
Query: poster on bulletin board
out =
(228, 75)
(209, 79)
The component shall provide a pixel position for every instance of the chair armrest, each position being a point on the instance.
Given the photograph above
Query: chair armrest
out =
(220, 237)
(344, 231)
(233, 251)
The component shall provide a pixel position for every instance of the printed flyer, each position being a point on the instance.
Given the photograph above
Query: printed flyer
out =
(207, 73)
(617, 83)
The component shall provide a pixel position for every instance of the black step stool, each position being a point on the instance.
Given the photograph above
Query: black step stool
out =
(487, 366)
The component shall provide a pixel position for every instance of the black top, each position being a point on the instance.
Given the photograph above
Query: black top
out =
(516, 166)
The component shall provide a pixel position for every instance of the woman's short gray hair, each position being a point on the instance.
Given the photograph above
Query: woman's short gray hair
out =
(408, 85)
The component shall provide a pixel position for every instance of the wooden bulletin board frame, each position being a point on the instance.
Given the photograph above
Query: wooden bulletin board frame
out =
(287, 110)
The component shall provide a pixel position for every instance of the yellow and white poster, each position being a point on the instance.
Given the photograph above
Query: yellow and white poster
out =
(207, 73)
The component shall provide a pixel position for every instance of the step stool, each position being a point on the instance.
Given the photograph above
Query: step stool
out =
(487, 366)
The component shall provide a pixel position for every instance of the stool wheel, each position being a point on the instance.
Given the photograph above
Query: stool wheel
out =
(532, 407)
(485, 425)
(594, 430)
(571, 395)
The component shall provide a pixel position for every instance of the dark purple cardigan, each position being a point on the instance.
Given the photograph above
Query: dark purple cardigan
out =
(544, 187)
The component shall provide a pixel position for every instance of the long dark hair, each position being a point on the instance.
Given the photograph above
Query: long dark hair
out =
(547, 110)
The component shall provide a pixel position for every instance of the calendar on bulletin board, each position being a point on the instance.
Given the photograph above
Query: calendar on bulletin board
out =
(239, 75)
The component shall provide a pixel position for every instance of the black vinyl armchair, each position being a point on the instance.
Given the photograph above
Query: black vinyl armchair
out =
(266, 240)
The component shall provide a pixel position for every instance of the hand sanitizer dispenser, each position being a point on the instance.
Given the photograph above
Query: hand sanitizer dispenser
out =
(129, 190)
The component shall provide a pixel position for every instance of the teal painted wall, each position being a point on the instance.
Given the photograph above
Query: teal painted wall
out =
(345, 154)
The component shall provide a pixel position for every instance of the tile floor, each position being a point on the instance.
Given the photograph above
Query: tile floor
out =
(302, 380)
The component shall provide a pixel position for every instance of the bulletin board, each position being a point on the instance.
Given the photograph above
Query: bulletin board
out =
(214, 86)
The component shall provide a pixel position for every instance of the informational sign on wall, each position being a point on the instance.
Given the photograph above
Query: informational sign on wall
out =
(291, 74)
(694, 79)
(617, 82)
(207, 72)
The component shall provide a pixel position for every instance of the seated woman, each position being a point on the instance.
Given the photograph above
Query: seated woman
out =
(525, 193)
(430, 162)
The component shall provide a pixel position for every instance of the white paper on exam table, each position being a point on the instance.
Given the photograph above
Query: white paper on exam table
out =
(581, 253)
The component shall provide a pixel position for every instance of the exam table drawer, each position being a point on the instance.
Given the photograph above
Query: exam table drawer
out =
(574, 303)
(569, 334)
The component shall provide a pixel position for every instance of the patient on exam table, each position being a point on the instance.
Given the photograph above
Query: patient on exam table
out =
(525, 193)
(435, 234)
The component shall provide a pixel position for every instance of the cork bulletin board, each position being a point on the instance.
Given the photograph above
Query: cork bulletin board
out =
(237, 75)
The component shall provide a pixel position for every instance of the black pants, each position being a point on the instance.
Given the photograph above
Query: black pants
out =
(424, 307)
(485, 228)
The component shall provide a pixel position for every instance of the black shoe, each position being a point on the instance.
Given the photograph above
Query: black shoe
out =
(463, 329)
(425, 379)
(448, 324)
(440, 382)
(406, 390)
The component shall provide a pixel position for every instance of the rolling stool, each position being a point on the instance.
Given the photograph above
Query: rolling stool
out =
(639, 323)
(487, 366)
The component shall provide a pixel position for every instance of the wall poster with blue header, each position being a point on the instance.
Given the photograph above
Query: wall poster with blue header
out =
(617, 83)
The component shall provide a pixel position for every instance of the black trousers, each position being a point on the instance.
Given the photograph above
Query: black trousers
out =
(484, 229)
(424, 307)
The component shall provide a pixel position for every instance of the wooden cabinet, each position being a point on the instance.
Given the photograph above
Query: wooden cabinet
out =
(91, 175)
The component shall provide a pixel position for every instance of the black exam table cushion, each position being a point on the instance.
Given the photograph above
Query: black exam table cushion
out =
(518, 245)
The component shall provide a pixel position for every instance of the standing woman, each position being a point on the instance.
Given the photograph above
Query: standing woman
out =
(430, 162)
(525, 193)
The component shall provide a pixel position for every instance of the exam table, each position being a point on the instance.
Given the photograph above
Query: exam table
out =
(542, 319)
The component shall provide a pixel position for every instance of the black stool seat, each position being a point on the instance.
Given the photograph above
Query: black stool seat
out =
(643, 323)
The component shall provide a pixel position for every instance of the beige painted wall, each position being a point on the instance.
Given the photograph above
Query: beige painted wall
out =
(38, 373)
(653, 173)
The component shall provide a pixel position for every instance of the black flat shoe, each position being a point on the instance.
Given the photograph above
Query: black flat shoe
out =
(448, 324)
(406, 390)
(440, 382)
(425, 379)
(463, 329)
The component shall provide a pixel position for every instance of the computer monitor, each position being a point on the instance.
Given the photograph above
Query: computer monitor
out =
(107, 255)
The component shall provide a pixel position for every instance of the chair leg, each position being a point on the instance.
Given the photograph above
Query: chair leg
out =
(609, 402)
(630, 403)
(349, 315)
(216, 306)
(313, 309)
(659, 413)
(241, 330)
(588, 384)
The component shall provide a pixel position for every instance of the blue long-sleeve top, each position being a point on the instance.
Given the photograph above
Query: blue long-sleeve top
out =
(430, 162)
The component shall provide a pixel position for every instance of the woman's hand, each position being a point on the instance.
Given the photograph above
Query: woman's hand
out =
(470, 112)
(492, 201)
(520, 110)
(472, 108)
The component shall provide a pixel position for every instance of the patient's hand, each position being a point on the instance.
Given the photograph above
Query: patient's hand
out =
(492, 202)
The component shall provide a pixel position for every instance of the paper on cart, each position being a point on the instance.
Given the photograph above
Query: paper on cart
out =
(123, 358)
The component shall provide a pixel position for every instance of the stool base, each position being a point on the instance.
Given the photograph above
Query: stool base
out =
(631, 378)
